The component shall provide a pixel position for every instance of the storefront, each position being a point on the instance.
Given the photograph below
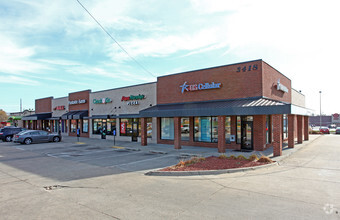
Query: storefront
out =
(75, 121)
(244, 106)
(115, 112)
(59, 108)
(43, 112)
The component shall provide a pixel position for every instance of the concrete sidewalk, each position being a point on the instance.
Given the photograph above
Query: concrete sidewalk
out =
(186, 150)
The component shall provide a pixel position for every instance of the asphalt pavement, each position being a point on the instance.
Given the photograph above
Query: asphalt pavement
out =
(99, 180)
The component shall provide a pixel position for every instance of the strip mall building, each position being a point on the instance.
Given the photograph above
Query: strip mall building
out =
(243, 106)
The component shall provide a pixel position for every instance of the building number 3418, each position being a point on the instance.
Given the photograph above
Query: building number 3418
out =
(246, 68)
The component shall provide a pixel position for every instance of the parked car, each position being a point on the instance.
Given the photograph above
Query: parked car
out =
(324, 130)
(7, 133)
(337, 131)
(33, 136)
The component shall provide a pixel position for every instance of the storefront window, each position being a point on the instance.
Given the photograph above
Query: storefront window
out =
(79, 124)
(126, 126)
(268, 130)
(207, 129)
(167, 128)
(185, 129)
(73, 126)
(285, 126)
(149, 127)
(227, 129)
(110, 126)
(238, 130)
(97, 126)
(85, 126)
(214, 136)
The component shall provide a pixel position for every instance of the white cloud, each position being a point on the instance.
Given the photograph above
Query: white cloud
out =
(18, 80)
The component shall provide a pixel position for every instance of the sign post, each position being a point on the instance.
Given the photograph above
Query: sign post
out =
(114, 137)
(78, 134)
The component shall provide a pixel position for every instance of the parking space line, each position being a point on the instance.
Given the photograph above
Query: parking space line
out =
(107, 156)
(140, 161)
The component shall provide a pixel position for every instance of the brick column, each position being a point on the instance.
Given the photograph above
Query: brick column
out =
(277, 135)
(221, 134)
(291, 130)
(259, 134)
(306, 127)
(299, 129)
(144, 137)
(177, 133)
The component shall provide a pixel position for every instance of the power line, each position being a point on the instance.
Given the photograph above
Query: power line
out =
(121, 47)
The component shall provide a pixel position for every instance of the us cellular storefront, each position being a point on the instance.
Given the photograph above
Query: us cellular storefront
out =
(244, 106)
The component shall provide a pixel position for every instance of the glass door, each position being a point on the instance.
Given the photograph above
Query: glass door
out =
(134, 131)
(247, 135)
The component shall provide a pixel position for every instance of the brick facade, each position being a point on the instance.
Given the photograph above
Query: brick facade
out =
(277, 135)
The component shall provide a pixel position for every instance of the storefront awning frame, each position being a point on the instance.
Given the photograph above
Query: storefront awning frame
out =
(247, 106)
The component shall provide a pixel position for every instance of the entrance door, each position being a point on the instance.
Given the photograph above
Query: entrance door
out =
(134, 131)
(247, 135)
(104, 130)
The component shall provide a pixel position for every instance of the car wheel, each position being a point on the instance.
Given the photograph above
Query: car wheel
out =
(28, 141)
(8, 139)
(56, 139)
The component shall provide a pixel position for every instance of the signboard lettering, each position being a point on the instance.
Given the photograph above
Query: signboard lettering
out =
(281, 87)
(75, 102)
(61, 107)
(102, 101)
(200, 86)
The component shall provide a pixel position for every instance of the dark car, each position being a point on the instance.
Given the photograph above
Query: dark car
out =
(337, 131)
(33, 136)
(7, 133)
(324, 130)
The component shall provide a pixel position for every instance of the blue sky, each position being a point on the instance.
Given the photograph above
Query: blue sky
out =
(51, 48)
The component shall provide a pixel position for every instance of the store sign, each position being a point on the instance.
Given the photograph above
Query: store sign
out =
(281, 87)
(61, 107)
(336, 118)
(200, 86)
(133, 99)
(102, 101)
(75, 102)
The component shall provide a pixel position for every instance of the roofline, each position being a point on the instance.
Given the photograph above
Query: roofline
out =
(208, 68)
(276, 69)
(123, 87)
(50, 97)
(61, 97)
(298, 91)
(80, 91)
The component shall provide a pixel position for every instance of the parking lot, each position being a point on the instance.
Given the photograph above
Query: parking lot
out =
(95, 180)
(90, 157)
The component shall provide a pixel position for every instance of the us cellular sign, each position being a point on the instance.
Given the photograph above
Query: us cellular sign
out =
(200, 86)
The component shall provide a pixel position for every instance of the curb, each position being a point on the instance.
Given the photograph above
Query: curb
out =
(206, 172)
(216, 172)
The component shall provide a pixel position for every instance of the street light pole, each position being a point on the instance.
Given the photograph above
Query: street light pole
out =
(320, 109)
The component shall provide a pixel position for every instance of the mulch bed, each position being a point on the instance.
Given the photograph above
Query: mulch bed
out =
(215, 163)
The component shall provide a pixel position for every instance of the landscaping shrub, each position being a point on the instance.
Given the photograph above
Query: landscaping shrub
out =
(232, 157)
(264, 159)
(241, 157)
(223, 156)
(253, 157)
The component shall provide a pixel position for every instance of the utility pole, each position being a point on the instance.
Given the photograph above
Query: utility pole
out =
(20, 105)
